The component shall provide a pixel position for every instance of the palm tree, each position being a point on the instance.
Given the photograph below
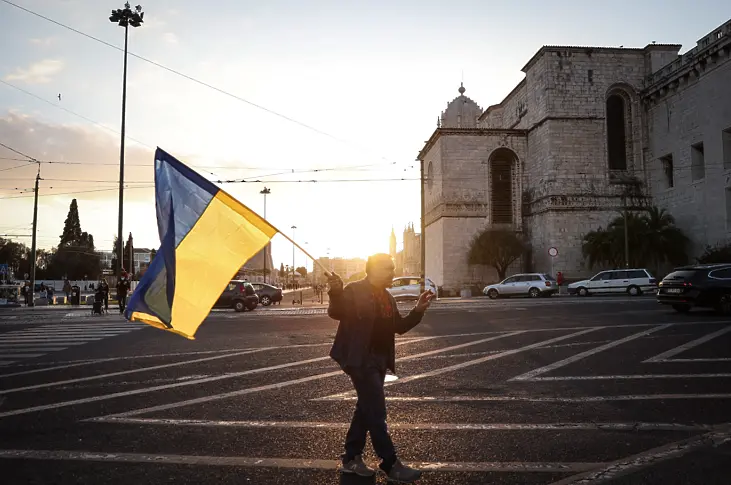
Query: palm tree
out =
(665, 241)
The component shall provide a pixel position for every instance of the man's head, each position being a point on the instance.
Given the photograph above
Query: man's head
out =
(380, 270)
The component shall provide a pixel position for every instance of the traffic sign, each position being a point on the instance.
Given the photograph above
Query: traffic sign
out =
(553, 252)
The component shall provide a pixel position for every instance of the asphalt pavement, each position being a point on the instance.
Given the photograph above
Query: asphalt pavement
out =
(612, 390)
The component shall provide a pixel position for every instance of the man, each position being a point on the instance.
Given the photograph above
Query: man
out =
(364, 348)
(122, 289)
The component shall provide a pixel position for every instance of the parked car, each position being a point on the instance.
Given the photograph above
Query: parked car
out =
(697, 286)
(408, 287)
(527, 284)
(239, 295)
(268, 294)
(634, 282)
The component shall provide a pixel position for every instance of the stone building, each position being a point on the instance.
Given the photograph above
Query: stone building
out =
(588, 132)
(346, 268)
(408, 260)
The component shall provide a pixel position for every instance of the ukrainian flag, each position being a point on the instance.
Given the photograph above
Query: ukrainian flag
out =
(206, 236)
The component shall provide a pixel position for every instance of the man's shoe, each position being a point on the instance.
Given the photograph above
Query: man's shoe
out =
(357, 466)
(401, 473)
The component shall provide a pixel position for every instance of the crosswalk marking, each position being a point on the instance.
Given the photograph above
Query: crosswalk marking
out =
(38, 341)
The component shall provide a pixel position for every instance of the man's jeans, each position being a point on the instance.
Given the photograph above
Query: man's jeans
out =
(122, 303)
(370, 410)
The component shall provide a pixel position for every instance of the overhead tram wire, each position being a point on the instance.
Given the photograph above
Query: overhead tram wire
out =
(202, 167)
(197, 81)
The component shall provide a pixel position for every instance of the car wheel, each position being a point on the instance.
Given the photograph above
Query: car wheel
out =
(724, 305)
(534, 293)
(633, 291)
(265, 301)
(493, 294)
(681, 308)
(239, 306)
(582, 291)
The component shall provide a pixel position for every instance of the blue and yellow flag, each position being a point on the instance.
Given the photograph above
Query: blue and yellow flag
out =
(205, 237)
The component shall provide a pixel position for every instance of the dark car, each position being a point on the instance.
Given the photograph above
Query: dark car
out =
(706, 285)
(239, 295)
(268, 294)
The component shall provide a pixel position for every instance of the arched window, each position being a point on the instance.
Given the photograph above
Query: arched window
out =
(501, 186)
(619, 134)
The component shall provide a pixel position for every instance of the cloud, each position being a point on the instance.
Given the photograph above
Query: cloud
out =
(170, 38)
(43, 42)
(39, 73)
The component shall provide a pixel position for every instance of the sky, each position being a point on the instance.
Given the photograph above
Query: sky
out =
(344, 93)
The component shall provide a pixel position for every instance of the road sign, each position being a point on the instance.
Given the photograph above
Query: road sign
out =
(553, 252)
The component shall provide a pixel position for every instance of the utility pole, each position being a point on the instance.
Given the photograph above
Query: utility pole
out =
(265, 192)
(32, 300)
(293, 229)
(124, 18)
(422, 238)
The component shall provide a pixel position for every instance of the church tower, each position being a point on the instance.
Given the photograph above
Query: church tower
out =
(392, 244)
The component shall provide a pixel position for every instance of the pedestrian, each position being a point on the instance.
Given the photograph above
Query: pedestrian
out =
(364, 348)
(559, 281)
(67, 289)
(122, 289)
(104, 289)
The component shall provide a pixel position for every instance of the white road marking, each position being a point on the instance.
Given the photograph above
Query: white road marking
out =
(630, 426)
(6, 362)
(688, 345)
(145, 390)
(628, 377)
(462, 365)
(20, 355)
(292, 463)
(130, 371)
(635, 463)
(33, 348)
(280, 385)
(575, 358)
(559, 399)
(700, 359)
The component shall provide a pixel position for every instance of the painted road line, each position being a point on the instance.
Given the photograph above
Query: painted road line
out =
(131, 371)
(292, 463)
(462, 365)
(629, 426)
(34, 348)
(19, 355)
(145, 390)
(6, 362)
(280, 385)
(582, 355)
(629, 377)
(700, 359)
(557, 399)
(640, 461)
(688, 345)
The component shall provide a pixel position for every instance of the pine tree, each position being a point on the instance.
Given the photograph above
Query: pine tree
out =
(72, 227)
(128, 250)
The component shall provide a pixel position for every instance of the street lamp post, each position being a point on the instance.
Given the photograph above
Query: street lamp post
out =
(265, 192)
(124, 17)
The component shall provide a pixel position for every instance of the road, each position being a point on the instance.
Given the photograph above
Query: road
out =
(549, 391)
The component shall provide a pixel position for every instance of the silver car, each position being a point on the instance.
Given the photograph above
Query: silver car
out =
(408, 287)
(527, 284)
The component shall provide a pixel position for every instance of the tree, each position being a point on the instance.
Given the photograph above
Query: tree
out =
(71, 227)
(302, 271)
(721, 253)
(128, 255)
(75, 256)
(498, 248)
(653, 239)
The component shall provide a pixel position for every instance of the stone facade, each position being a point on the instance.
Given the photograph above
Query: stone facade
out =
(579, 139)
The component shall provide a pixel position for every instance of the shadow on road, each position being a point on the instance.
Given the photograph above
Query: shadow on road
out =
(346, 479)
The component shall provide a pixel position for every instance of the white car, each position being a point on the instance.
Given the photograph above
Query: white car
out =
(634, 282)
(528, 284)
(408, 287)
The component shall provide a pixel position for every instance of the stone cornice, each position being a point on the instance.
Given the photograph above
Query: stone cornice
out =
(466, 132)
(582, 203)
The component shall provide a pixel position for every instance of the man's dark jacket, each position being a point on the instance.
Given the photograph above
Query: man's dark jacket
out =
(355, 308)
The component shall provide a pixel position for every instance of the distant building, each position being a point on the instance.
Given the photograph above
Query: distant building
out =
(345, 268)
(253, 269)
(105, 259)
(408, 261)
(141, 259)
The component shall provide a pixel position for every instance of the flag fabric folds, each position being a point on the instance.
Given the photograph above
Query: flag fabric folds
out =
(205, 237)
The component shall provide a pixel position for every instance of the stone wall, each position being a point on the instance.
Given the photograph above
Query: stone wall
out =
(434, 250)
(695, 110)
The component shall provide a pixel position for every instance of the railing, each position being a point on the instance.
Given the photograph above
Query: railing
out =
(706, 42)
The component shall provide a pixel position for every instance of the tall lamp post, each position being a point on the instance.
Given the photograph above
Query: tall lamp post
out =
(124, 17)
(265, 192)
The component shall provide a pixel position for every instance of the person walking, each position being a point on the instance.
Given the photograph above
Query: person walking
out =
(67, 290)
(104, 289)
(364, 347)
(122, 289)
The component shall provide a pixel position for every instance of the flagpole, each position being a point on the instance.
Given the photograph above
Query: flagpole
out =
(322, 267)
